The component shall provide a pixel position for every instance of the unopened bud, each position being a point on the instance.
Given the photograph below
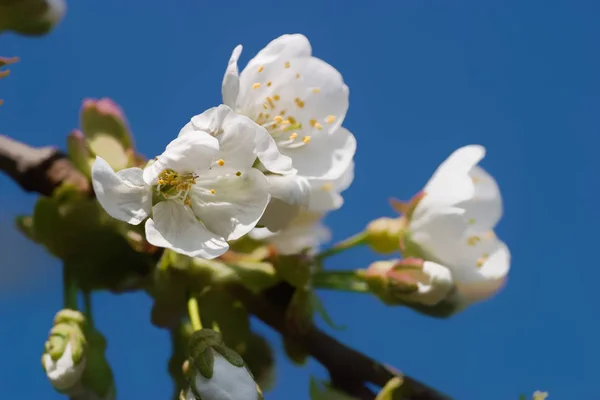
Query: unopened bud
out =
(80, 153)
(107, 132)
(64, 358)
(409, 281)
(219, 372)
(31, 17)
(384, 234)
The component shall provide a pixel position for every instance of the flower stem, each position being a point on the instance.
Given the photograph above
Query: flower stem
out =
(353, 241)
(87, 306)
(69, 290)
(348, 281)
(194, 312)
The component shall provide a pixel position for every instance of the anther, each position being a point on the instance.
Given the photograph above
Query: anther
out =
(239, 173)
(276, 97)
(316, 90)
(330, 119)
(306, 139)
(299, 102)
(293, 136)
(261, 68)
(287, 64)
(221, 162)
(256, 85)
(213, 191)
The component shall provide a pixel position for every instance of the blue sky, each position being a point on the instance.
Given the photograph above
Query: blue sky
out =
(425, 77)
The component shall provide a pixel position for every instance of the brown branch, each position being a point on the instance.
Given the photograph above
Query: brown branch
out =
(43, 169)
(350, 370)
(38, 170)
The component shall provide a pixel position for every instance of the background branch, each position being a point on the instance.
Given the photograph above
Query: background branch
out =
(43, 169)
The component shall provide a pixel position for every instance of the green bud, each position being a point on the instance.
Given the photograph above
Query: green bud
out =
(105, 128)
(31, 17)
(384, 234)
(80, 153)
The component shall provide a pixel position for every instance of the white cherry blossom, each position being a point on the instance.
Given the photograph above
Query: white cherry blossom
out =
(301, 101)
(63, 373)
(207, 190)
(453, 225)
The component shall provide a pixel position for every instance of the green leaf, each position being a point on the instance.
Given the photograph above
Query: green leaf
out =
(318, 306)
(204, 362)
(231, 356)
(391, 390)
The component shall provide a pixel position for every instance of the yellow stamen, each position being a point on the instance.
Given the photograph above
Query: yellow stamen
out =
(188, 201)
(270, 101)
(213, 191)
(256, 85)
(265, 106)
(473, 240)
(327, 186)
(282, 112)
(313, 122)
(471, 221)
(221, 162)
(276, 97)
(318, 126)
(306, 139)
(316, 90)
(269, 83)
(261, 68)
(287, 64)
(297, 76)
(299, 102)
(292, 120)
(330, 119)
(238, 173)
(482, 260)
(293, 136)
(278, 119)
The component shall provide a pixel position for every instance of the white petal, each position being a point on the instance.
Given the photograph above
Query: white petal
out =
(185, 154)
(325, 156)
(292, 189)
(279, 214)
(477, 284)
(63, 373)
(438, 232)
(227, 383)
(437, 283)
(451, 183)
(484, 209)
(270, 157)
(124, 195)
(325, 193)
(231, 80)
(237, 203)
(286, 46)
(309, 92)
(175, 227)
(306, 231)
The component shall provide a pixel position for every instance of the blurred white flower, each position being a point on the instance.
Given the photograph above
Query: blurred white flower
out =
(301, 101)
(228, 382)
(453, 225)
(209, 192)
(305, 230)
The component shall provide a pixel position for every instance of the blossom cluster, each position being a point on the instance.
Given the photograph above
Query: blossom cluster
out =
(274, 159)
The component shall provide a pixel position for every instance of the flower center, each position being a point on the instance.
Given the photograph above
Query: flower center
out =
(175, 186)
(283, 113)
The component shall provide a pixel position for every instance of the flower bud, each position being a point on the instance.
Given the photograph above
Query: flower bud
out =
(64, 356)
(384, 234)
(219, 372)
(409, 281)
(31, 17)
(80, 153)
(106, 130)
